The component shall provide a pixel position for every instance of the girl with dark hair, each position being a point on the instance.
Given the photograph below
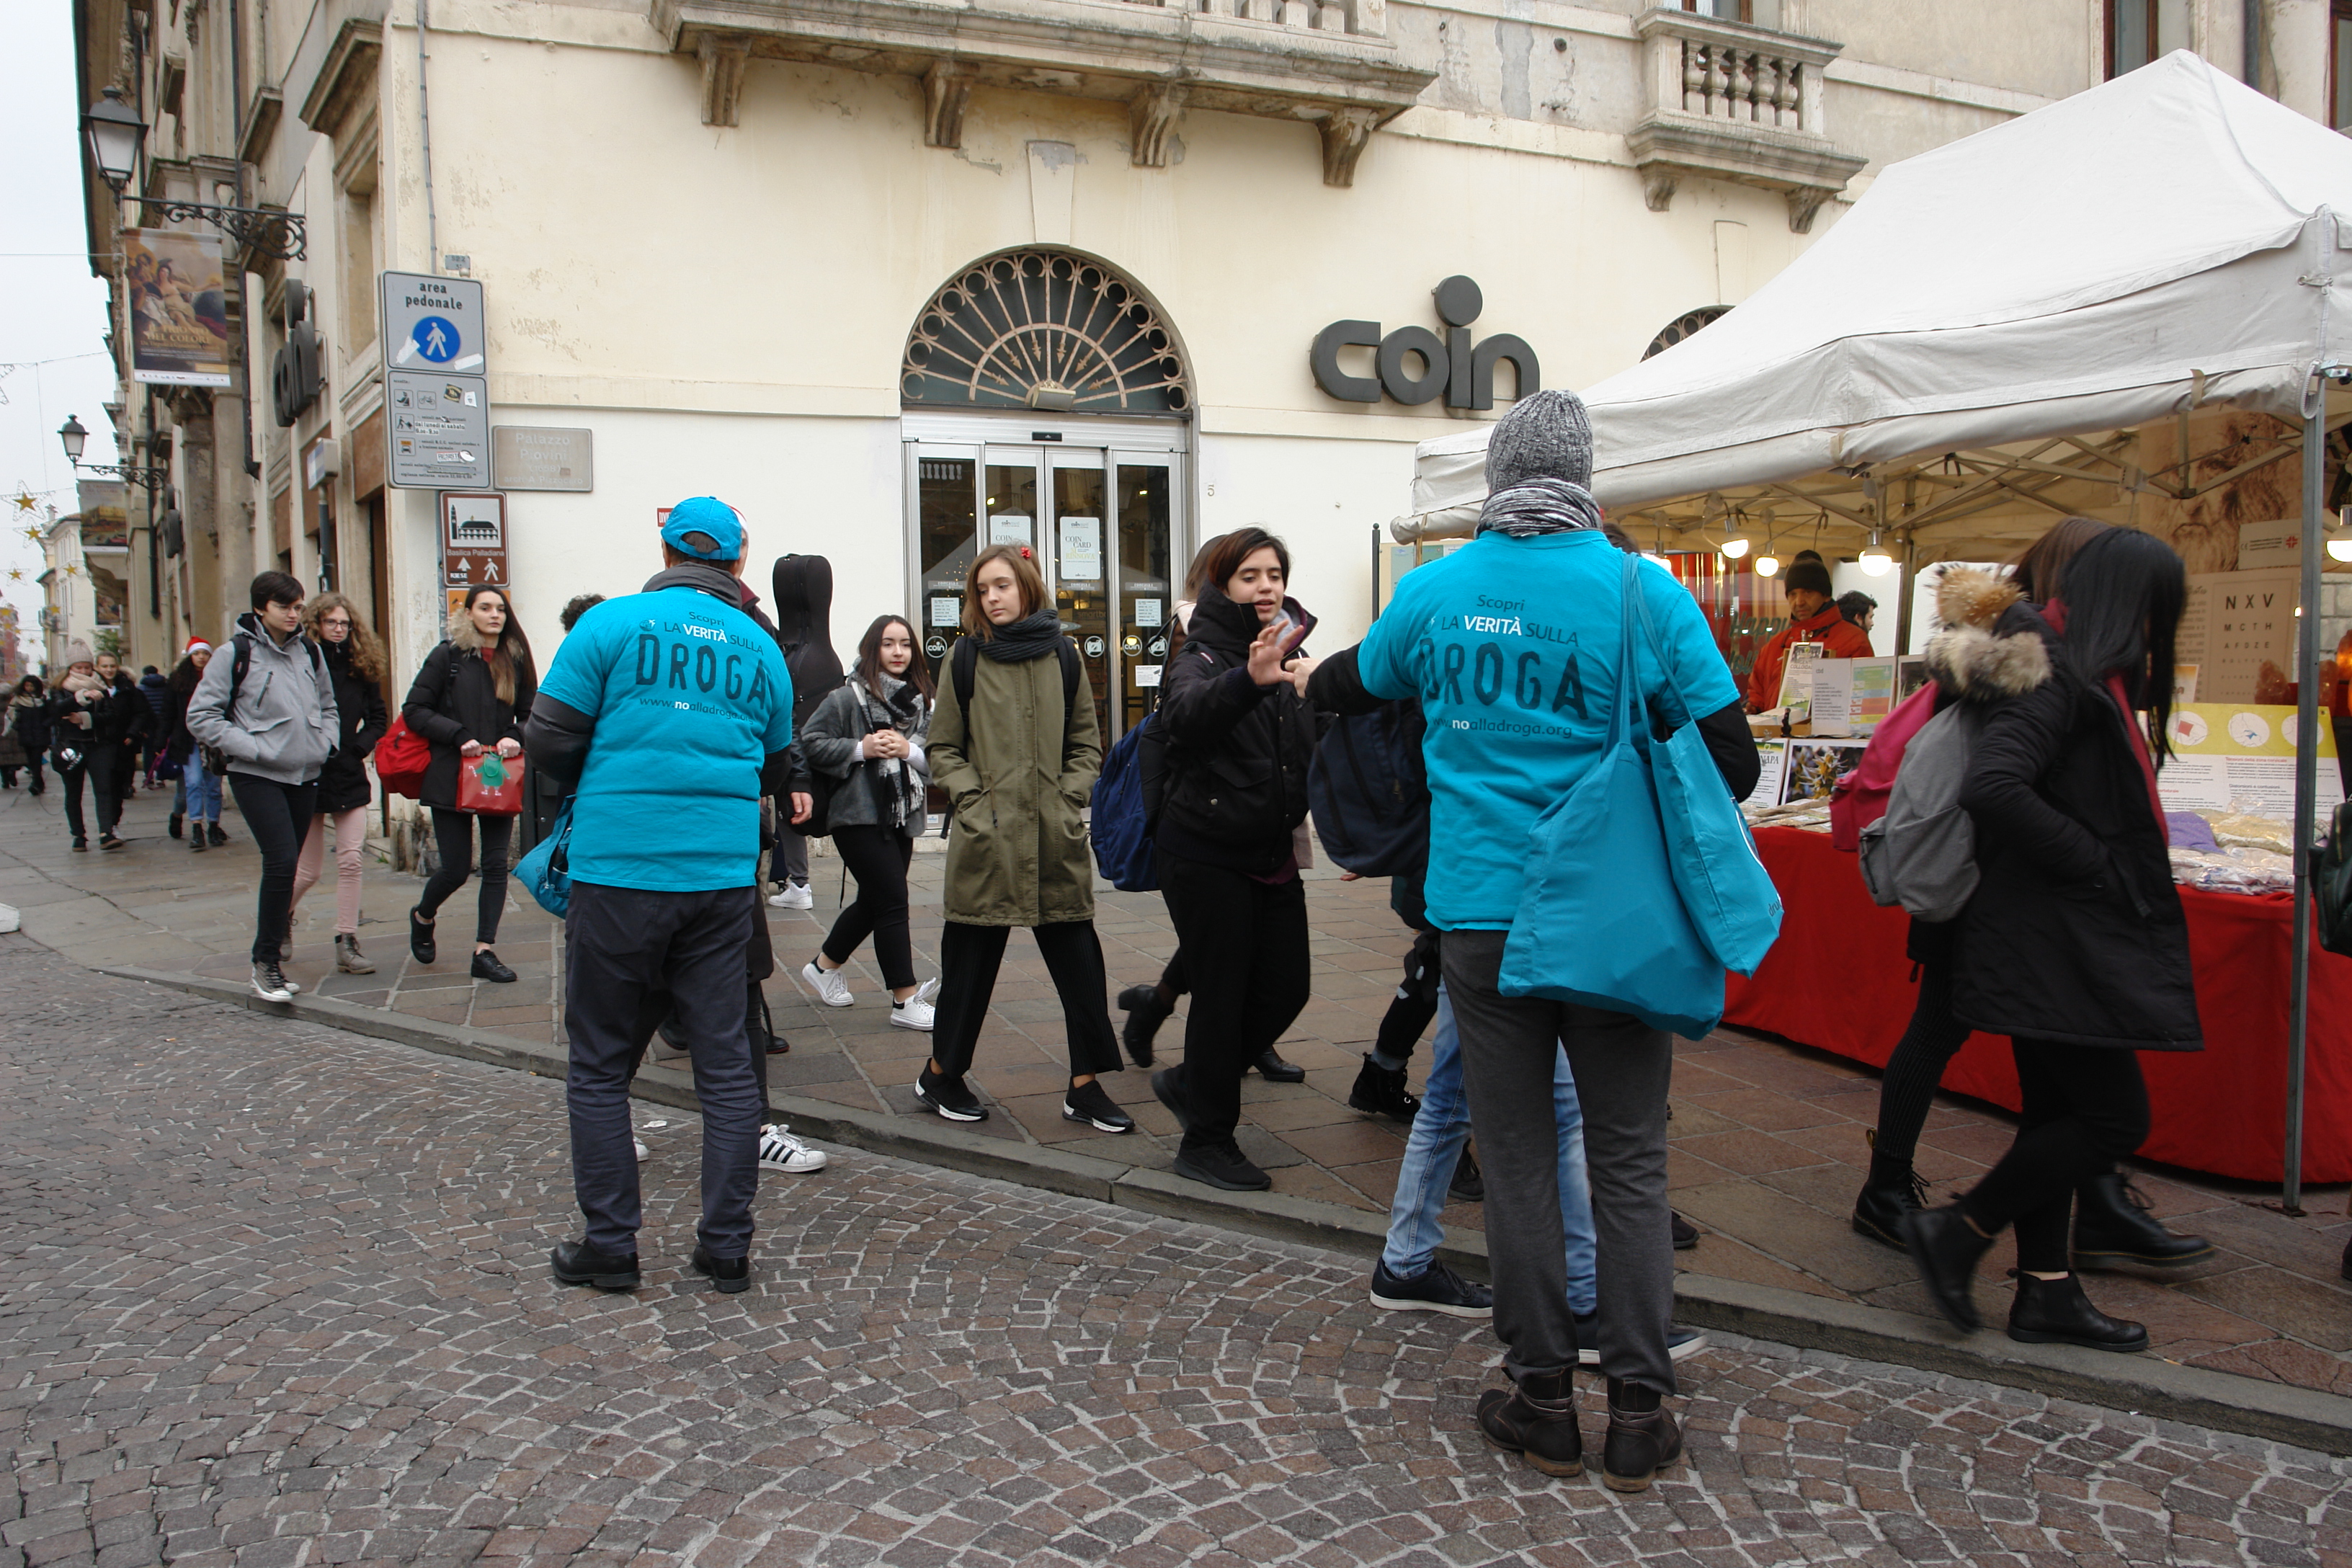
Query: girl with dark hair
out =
(1240, 742)
(355, 662)
(1970, 663)
(867, 735)
(1017, 758)
(2075, 944)
(27, 716)
(471, 695)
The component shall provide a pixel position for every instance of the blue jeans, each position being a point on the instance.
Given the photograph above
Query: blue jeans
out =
(1435, 1147)
(199, 795)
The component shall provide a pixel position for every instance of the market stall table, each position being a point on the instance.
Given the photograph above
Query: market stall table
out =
(1838, 980)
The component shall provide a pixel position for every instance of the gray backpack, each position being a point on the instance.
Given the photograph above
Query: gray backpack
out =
(1922, 854)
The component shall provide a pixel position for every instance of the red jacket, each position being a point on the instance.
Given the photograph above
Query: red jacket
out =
(1839, 638)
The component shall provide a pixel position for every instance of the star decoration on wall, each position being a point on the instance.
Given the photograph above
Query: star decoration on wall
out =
(33, 534)
(16, 574)
(25, 499)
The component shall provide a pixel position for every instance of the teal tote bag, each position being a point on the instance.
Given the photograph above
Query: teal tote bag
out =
(1600, 919)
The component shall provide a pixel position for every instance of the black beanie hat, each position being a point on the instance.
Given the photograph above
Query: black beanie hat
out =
(1810, 575)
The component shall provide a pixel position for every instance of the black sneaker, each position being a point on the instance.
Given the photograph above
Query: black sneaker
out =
(486, 966)
(1685, 1234)
(421, 946)
(1435, 1288)
(1087, 1102)
(950, 1097)
(1221, 1166)
(1469, 1183)
(81, 846)
(1380, 1093)
(577, 1263)
(1144, 1016)
(109, 841)
(1681, 1343)
(1171, 1093)
(212, 831)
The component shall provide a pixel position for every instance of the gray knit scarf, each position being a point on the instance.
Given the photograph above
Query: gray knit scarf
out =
(1031, 637)
(1539, 505)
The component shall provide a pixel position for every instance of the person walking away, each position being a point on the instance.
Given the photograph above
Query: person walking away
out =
(2073, 944)
(672, 711)
(356, 664)
(1240, 742)
(1017, 758)
(471, 696)
(1813, 617)
(157, 690)
(268, 707)
(868, 734)
(76, 707)
(28, 723)
(803, 589)
(1516, 711)
(1970, 663)
(198, 798)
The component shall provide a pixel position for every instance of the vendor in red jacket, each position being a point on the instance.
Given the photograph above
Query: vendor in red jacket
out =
(1814, 617)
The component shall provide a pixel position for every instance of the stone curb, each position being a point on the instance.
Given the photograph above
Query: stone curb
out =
(2144, 1386)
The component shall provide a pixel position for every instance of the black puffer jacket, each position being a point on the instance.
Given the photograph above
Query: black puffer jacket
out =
(343, 782)
(455, 700)
(1238, 753)
(2076, 933)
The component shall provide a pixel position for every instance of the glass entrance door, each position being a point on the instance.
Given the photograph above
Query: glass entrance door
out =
(1101, 523)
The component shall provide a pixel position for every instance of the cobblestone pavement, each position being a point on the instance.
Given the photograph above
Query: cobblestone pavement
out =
(271, 1295)
(1768, 1138)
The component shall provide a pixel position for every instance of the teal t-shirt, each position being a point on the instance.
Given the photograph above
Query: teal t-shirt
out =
(690, 698)
(1512, 645)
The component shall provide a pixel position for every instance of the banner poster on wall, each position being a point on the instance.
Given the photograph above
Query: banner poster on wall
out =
(178, 307)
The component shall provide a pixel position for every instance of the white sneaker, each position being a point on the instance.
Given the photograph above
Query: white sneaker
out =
(831, 985)
(913, 1013)
(792, 896)
(779, 1151)
(643, 1152)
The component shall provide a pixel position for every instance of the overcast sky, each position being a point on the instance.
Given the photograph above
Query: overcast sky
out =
(53, 329)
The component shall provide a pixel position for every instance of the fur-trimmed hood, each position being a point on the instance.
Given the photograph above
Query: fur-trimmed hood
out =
(464, 636)
(1973, 657)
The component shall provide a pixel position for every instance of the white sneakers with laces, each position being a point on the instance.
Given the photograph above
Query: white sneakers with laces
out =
(831, 985)
(915, 1011)
(792, 896)
(779, 1151)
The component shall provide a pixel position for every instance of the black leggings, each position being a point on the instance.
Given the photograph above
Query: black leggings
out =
(454, 832)
(278, 816)
(102, 765)
(1926, 1049)
(1246, 947)
(878, 857)
(2085, 1107)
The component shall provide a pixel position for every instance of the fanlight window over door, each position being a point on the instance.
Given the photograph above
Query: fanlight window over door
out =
(1044, 329)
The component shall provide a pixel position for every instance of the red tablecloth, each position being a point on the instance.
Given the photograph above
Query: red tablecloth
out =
(1838, 980)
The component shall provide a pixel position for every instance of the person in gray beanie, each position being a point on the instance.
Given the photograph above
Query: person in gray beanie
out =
(1814, 617)
(1510, 644)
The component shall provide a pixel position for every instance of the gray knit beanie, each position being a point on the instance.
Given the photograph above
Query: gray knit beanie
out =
(1547, 436)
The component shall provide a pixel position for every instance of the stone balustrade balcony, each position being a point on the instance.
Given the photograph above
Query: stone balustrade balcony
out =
(1730, 101)
(1327, 62)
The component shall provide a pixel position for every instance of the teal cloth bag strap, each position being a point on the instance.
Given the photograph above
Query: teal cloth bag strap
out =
(1601, 921)
(1724, 887)
(546, 872)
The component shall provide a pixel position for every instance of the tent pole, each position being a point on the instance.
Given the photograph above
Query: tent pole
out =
(2306, 794)
(1902, 594)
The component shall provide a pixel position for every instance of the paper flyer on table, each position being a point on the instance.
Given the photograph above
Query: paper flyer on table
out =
(2242, 753)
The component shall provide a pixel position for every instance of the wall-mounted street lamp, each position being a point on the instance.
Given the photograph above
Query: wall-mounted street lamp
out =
(75, 438)
(115, 133)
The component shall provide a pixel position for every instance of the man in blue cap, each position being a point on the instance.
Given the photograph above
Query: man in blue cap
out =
(672, 710)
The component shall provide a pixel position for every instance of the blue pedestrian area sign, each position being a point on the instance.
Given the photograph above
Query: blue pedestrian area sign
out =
(433, 324)
(436, 340)
(437, 383)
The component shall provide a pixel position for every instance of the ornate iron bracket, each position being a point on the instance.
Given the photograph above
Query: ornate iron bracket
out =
(263, 231)
(129, 473)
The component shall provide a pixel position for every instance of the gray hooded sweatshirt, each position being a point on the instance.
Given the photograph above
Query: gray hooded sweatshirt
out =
(285, 724)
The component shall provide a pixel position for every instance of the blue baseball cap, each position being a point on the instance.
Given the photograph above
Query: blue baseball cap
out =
(706, 515)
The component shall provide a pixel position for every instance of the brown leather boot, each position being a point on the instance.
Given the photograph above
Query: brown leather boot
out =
(1537, 1421)
(1642, 1437)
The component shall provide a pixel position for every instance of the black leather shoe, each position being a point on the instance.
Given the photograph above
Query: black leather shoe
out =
(172, 826)
(1144, 1016)
(212, 831)
(1469, 1183)
(1685, 1234)
(2113, 1225)
(1273, 1070)
(1221, 1166)
(1535, 1420)
(488, 967)
(1642, 1439)
(732, 1275)
(1945, 1247)
(2056, 1312)
(577, 1263)
(1884, 1199)
(420, 940)
(1377, 1091)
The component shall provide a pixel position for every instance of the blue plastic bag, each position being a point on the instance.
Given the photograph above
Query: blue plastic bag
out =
(546, 872)
(1600, 919)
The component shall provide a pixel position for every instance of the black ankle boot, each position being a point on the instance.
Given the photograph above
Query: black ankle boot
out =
(1145, 1013)
(1893, 1190)
(2113, 1225)
(1945, 1247)
(1642, 1437)
(1378, 1092)
(2056, 1312)
(1537, 1421)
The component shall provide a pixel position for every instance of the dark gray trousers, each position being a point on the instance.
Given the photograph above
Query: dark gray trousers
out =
(1622, 1068)
(621, 945)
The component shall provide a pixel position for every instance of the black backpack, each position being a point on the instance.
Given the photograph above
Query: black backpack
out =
(1370, 792)
(962, 666)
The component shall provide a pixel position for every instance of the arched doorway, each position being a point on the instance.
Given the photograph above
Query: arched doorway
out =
(1046, 403)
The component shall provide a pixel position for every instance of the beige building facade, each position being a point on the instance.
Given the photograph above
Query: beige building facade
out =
(900, 280)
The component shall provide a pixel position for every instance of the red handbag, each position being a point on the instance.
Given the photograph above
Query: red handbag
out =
(490, 785)
(400, 759)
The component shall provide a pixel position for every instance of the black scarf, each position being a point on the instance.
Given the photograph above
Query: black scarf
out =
(1539, 505)
(1031, 637)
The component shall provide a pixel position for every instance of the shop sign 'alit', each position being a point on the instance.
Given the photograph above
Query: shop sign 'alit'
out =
(1452, 365)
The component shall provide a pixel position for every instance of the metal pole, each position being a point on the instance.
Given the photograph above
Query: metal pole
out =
(2306, 792)
(1905, 592)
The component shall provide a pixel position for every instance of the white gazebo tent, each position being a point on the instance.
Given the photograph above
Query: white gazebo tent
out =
(1971, 351)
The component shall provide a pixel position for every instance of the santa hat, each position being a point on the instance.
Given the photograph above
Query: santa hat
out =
(196, 646)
